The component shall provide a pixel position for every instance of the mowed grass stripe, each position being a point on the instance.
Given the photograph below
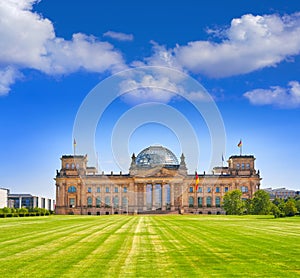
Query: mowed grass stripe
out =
(70, 253)
(57, 249)
(185, 248)
(246, 251)
(106, 259)
(147, 257)
(36, 237)
(150, 246)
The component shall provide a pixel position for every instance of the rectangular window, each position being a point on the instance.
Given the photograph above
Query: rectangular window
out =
(217, 189)
(116, 190)
(98, 190)
(191, 189)
(244, 189)
(200, 189)
(243, 166)
(125, 189)
(238, 166)
(208, 189)
(89, 190)
(248, 166)
(124, 203)
(226, 189)
(107, 189)
(72, 202)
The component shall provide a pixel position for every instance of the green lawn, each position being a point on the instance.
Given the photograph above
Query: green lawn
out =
(150, 246)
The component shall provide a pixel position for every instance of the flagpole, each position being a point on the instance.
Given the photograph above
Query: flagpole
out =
(97, 164)
(241, 148)
(74, 147)
(240, 145)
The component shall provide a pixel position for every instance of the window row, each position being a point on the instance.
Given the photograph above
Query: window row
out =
(200, 189)
(242, 166)
(72, 189)
(107, 201)
(208, 201)
(217, 189)
(100, 203)
(72, 166)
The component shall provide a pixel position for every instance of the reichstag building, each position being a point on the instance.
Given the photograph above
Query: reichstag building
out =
(157, 182)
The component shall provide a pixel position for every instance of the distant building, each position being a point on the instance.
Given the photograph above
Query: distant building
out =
(4, 197)
(29, 201)
(156, 183)
(281, 193)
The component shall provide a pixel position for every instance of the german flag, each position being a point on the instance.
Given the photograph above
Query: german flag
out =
(197, 181)
(240, 144)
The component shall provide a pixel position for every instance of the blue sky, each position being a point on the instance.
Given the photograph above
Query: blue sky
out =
(53, 53)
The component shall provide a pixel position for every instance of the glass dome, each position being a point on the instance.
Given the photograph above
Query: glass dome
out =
(156, 155)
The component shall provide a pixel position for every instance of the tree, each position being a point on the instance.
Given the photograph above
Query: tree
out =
(232, 202)
(248, 206)
(276, 211)
(261, 203)
(290, 208)
(298, 205)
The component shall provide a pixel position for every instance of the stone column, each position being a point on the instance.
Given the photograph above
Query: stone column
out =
(120, 196)
(145, 196)
(57, 195)
(63, 201)
(163, 197)
(172, 196)
(153, 197)
(135, 199)
(213, 203)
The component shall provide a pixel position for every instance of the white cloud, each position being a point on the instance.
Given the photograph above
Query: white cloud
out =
(7, 78)
(29, 41)
(118, 36)
(82, 52)
(281, 97)
(250, 43)
(161, 86)
(149, 88)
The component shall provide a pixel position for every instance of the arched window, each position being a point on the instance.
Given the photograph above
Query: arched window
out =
(98, 202)
(107, 201)
(73, 165)
(89, 201)
(124, 202)
(200, 202)
(116, 202)
(208, 201)
(67, 166)
(72, 189)
(191, 201)
(218, 202)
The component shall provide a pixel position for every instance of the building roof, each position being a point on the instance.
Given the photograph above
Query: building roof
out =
(156, 155)
(241, 156)
(73, 156)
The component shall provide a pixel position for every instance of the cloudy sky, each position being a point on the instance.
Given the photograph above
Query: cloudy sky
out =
(53, 53)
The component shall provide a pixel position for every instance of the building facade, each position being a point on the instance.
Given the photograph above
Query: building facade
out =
(30, 201)
(156, 183)
(281, 193)
(4, 197)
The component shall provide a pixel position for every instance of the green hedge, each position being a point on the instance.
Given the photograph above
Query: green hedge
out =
(23, 212)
